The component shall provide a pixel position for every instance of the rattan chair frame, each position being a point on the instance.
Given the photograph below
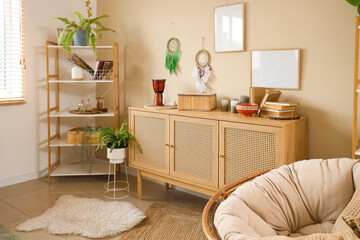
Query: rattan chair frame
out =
(211, 206)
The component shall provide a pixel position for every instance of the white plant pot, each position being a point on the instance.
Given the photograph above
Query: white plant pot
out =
(117, 155)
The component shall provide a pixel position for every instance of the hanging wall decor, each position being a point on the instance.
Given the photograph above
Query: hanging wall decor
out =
(172, 55)
(202, 70)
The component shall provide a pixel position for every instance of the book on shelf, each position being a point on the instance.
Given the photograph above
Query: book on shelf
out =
(102, 68)
(276, 113)
(282, 103)
(278, 107)
(269, 96)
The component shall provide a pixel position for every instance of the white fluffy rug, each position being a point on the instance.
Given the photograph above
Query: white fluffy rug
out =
(89, 217)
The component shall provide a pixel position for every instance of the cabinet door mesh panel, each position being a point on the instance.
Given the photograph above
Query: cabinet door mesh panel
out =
(194, 149)
(150, 133)
(247, 152)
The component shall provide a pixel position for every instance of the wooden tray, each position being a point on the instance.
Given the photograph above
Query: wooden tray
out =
(282, 117)
(79, 112)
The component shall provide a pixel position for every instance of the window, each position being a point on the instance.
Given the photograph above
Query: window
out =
(12, 61)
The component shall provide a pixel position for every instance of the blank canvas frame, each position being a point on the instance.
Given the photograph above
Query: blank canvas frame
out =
(276, 68)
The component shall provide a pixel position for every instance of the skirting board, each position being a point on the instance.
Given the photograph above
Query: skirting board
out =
(131, 171)
(22, 178)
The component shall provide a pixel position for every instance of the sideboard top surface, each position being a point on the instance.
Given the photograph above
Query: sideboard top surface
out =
(222, 116)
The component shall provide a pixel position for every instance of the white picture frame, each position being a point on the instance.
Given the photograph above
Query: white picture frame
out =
(229, 28)
(276, 68)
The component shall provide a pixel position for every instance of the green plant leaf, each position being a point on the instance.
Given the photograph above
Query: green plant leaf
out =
(93, 20)
(354, 2)
(358, 9)
(92, 40)
(64, 20)
(82, 21)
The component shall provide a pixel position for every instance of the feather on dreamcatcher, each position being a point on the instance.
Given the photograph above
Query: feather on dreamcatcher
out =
(172, 54)
(202, 69)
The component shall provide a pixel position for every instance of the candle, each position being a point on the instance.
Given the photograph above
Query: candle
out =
(224, 105)
(244, 99)
(234, 101)
(77, 74)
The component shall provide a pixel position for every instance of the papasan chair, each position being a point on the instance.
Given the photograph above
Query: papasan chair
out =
(308, 199)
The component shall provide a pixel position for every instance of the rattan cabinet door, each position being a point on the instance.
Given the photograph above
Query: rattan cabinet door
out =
(151, 130)
(194, 150)
(247, 148)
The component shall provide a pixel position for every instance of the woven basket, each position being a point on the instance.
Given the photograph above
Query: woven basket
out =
(75, 136)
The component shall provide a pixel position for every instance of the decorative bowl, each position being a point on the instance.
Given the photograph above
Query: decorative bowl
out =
(246, 109)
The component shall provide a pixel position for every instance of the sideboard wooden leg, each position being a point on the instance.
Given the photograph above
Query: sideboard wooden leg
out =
(139, 185)
(166, 186)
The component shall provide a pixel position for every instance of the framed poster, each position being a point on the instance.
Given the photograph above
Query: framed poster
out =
(229, 28)
(278, 68)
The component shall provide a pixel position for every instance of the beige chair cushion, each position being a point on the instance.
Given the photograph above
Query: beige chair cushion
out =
(294, 200)
(341, 230)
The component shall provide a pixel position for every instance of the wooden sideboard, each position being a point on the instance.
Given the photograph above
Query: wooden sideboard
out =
(203, 151)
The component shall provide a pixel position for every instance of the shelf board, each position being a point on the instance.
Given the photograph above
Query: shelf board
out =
(81, 47)
(81, 81)
(67, 114)
(99, 167)
(63, 143)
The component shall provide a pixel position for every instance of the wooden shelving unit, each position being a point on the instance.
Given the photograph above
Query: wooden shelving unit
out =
(355, 138)
(55, 168)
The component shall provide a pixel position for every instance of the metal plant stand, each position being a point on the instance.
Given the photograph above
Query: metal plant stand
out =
(117, 189)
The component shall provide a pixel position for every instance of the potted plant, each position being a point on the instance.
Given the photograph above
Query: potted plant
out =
(355, 3)
(116, 141)
(84, 33)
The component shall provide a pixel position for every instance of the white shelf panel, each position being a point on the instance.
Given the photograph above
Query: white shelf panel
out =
(63, 143)
(67, 114)
(81, 81)
(99, 167)
(81, 47)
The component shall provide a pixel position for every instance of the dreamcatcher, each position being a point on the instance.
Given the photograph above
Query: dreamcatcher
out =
(202, 69)
(172, 55)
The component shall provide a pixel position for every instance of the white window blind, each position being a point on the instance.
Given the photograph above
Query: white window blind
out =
(12, 61)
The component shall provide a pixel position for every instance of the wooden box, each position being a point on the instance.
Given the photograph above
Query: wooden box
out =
(197, 101)
(75, 136)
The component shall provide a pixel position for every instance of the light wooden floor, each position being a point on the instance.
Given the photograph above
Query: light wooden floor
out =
(29, 199)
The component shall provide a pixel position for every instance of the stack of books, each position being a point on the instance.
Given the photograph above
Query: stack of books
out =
(278, 109)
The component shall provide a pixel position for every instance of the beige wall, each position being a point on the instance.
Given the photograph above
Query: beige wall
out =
(23, 131)
(323, 29)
